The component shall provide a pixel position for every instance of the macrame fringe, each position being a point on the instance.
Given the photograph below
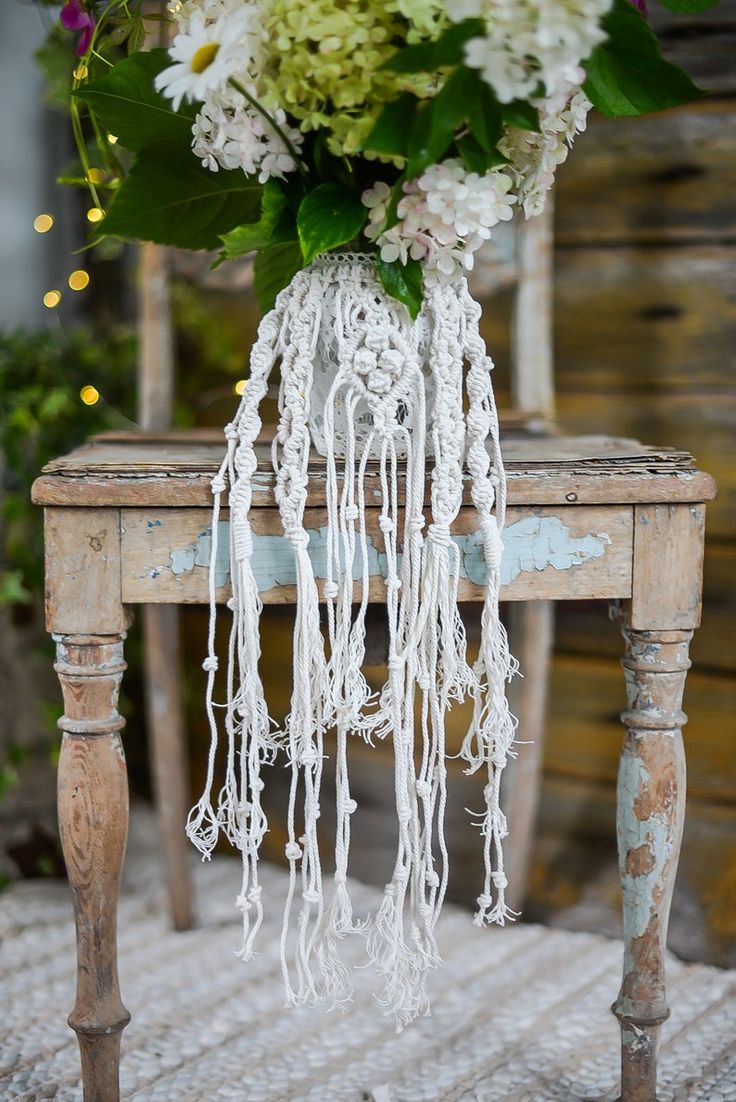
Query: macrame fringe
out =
(396, 395)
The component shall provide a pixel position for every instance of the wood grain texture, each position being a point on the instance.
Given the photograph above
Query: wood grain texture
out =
(667, 580)
(82, 549)
(168, 754)
(650, 819)
(531, 637)
(579, 551)
(93, 823)
(541, 470)
(674, 188)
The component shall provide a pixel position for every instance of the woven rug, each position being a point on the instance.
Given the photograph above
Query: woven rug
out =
(519, 1015)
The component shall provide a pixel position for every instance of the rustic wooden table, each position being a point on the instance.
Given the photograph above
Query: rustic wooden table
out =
(128, 522)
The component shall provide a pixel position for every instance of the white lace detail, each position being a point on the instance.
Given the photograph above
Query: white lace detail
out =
(364, 384)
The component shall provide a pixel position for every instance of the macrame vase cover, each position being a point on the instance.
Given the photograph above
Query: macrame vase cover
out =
(370, 389)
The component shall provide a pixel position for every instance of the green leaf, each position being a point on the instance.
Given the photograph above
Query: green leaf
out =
(449, 49)
(125, 101)
(452, 104)
(169, 198)
(428, 141)
(328, 216)
(485, 118)
(688, 5)
(275, 267)
(257, 235)
(403, 282)
(390, 134)
(476, 158)
(521, 115)
(627, 75)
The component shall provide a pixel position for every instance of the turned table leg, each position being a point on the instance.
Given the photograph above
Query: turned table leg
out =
(657, 624)
(651, 812)
(93, 822)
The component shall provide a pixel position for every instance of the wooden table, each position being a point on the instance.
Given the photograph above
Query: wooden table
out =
(128, 522)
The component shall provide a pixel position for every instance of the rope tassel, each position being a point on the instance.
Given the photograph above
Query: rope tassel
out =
(376, 395)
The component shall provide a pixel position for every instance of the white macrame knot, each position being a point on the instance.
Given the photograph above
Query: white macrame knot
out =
(485, 901)
(439, 534)
(257, 784)
(243, 903)
(218, 484)
(299, 538)
(210, 664)
(432, 878)
(393, 584)
(231, 604)
(311, 896)
(351, 512)
(396, 662)
(350, 806)
(231, 431)
(424, 790)
(386, 525)
(499, 880)
(308, 756)
(331, 590)
(292, 851)
(416, 523)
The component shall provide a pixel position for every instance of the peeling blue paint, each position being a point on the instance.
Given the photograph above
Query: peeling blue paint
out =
(534, 543)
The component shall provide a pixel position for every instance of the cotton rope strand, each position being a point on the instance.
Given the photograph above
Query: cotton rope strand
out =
(381, 397)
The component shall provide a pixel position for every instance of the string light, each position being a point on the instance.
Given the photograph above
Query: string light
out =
(52, 299)
(112, 138)
(95, 175)
(90, 395)
(95, 214)
(240, 386)
(78, 280)
(42, 223)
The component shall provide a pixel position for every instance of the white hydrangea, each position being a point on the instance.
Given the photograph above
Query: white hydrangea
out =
(528, 42)
(230, 134)
(217, 40)
(533, 158)
(444, 216)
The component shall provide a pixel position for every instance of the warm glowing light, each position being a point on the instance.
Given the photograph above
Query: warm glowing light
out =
(90, 395)
(52, 299)
(95, 175)
(78, 280)
(95, 214)
(80, 72)
(240, 386)
(112, 138)
(42, 223)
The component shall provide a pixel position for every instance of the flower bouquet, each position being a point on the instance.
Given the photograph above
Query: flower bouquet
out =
(364, 150)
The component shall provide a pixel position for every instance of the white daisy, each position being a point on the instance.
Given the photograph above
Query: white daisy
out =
(206, 54)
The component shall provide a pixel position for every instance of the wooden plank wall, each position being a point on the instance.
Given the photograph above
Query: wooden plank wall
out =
(645, 324)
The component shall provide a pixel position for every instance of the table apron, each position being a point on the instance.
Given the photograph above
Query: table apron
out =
(550, 553)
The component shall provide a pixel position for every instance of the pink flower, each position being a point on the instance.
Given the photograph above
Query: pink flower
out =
(75, 18)
(640, 5)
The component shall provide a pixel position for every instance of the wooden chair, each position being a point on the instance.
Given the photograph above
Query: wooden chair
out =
(127, 523)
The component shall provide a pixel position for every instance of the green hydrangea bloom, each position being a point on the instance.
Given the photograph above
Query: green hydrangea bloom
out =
(326, 57)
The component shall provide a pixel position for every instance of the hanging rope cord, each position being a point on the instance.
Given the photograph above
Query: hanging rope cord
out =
(391, 380)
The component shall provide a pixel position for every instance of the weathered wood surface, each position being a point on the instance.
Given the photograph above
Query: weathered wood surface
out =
(702, 42)
(93, 822)
(650, 819)
(581, 551)
(585, 699)
(541, 470)
(168, 753)
(673, 189)
(667, 580)
(82, 549)
(714, 644)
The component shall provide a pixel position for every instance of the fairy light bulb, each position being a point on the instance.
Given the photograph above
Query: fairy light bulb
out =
(239, 387)
(95, 214)
(42, 223)
(90, 395)
(51, 299)
(78, 280)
